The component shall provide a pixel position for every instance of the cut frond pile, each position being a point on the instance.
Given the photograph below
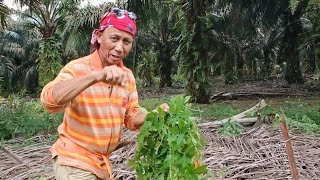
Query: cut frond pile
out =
(258, 154)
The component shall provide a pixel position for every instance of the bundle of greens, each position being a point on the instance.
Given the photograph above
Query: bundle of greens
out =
(169, 144)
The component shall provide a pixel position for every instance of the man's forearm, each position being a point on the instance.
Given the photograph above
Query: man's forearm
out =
(66, 91)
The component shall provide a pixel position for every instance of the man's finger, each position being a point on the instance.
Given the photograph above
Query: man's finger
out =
(115, 75)
(165, 107)
(109, 76)
(124, 80)
(121, 76)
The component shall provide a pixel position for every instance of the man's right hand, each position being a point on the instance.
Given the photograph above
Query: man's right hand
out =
(112, 75)
(65, 91)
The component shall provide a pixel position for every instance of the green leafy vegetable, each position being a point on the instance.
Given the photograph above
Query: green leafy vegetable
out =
(170, 145)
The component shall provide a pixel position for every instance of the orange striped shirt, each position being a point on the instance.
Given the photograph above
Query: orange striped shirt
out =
(92, 123)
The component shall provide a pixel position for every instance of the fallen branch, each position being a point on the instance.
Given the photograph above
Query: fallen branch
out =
(243, 121)
(237, 117)
(11, 154)
(234, 95)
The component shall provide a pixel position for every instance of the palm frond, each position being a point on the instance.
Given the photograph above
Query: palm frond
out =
(77, 44)
(31, 79)
(87, 17)
(12, 35)
(4, 13)
(6, 69)
(14, 48)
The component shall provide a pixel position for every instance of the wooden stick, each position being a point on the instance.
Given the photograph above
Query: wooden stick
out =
(239, 116)
(289, 150)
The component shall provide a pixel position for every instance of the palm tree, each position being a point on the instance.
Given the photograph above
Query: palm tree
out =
(311, 43)
(4, 13)
(46, 16)
(193, 42)
(19, 52)
(269, 13)
(197, 46)
(161, 35)
(76, 32)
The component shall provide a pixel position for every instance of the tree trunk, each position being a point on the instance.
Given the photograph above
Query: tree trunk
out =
(266, 67)
(199, 82)
(312, 58)
(229, 69)
(197, 59)
(293, 74)
(254, 70)
(240, 63)
(165, 60)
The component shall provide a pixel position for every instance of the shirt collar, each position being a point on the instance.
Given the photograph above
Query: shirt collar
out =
(96, 61)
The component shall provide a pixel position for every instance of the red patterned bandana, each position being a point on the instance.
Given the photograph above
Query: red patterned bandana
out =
(119, 19)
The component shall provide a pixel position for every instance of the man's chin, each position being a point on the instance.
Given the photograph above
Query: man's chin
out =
(114, 62)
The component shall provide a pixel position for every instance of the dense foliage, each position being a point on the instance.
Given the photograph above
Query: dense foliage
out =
(196, 40)
(169, 144)
(25, 118)
(18, 59)
(50, 60)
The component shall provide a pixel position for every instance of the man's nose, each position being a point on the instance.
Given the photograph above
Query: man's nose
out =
(119, 46)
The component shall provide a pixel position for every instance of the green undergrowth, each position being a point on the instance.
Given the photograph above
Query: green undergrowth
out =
(213, 111)
(26, 117)
(301, 116)
(22, 117)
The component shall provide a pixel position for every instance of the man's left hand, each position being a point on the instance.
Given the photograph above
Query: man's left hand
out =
(165, 107)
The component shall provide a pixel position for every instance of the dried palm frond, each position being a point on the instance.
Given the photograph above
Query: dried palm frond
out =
(258, 154)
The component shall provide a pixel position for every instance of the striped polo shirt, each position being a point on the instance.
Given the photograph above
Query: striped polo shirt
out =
(92, 123)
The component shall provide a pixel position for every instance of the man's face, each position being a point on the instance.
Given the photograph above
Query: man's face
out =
(114, 45)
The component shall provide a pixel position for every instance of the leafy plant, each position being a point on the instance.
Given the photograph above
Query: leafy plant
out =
(304, 124)
(169, 144)
(231, 128)
(26, 118)
(300, 116)
(145, 69)
(50, 60)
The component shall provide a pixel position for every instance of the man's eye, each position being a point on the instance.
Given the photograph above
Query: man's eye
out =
(127, 42)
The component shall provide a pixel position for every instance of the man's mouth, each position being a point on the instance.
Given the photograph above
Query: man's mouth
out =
(114, 57)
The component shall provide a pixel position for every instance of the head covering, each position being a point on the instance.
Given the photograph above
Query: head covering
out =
(119, 19)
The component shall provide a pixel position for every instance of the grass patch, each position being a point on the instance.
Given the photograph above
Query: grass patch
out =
(216, 111)
(20, 117)
(303, 114)
(152, 103)
(204, 111)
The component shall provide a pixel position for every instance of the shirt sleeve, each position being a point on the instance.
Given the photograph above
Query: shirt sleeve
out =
(133, 112)
(46, 96)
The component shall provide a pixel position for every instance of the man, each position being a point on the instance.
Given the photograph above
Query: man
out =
(98, 94)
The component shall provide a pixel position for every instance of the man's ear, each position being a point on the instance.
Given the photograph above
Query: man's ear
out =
(98, 35)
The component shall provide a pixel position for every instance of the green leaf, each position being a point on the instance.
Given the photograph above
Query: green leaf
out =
(201, 169)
